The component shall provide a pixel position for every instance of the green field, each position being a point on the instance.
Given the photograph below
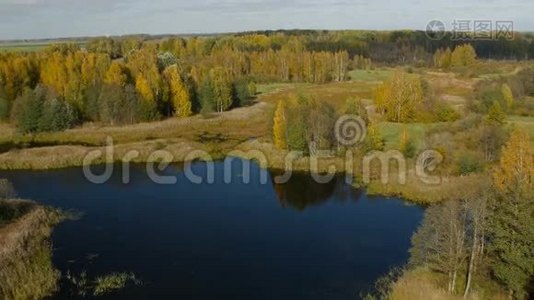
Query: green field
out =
(34, 46)
(392, 132)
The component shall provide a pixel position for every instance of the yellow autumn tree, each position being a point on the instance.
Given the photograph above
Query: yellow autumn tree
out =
(507, 95)
(145, 62)
(280, 126)
(222, 88)
(54, 73)
(442, 58)
(143, 88)
(463, 55)
(380, 96)
(94, 66)
(516, 167)
(399, 97)
(178, 92)
(74, 86)
(116, 74)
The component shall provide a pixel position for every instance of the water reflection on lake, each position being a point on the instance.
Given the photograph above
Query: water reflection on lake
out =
(299, 240)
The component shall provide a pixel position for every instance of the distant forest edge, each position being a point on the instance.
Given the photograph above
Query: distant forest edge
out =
(372, 44)
(131, 79)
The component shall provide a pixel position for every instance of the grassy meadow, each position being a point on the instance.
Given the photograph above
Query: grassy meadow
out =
(33, 46)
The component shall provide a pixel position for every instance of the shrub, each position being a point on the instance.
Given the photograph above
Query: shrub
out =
(468, 162)
(445, 113)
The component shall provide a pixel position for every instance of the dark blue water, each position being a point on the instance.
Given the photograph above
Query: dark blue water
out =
(300, 240)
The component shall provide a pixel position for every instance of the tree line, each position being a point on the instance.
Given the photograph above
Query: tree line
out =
(158, 78)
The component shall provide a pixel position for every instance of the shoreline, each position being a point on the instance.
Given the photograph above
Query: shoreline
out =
(61, 157)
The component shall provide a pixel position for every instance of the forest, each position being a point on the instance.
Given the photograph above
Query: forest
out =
(136, 79)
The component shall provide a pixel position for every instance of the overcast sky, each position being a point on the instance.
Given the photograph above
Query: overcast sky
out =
(22, 19)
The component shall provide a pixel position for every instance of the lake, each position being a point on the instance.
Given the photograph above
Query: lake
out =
(299, 240)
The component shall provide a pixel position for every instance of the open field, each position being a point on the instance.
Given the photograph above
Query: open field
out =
(392, 133)
(33, 46)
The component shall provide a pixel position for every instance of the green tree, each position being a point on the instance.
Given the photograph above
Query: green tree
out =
(27, 109)
(296, 124)
(511, 230)
(206, 96)
(243, 94)
(57, 115)
(111, 104)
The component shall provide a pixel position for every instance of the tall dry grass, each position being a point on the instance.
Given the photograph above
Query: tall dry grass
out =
(26, 270)
(419, 284)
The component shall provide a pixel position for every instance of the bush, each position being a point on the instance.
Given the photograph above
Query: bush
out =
(408, 148)
(468, 162)
(445, 113)
(146, 111)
